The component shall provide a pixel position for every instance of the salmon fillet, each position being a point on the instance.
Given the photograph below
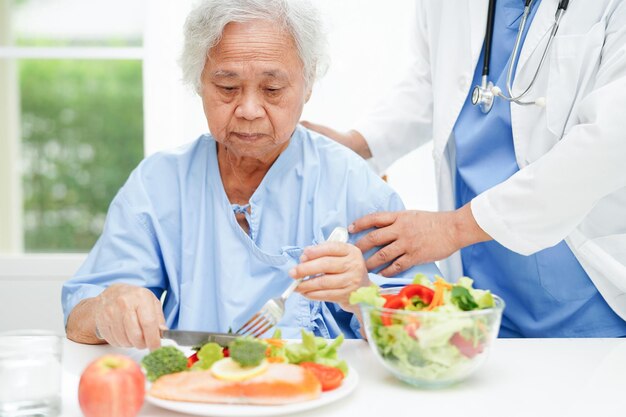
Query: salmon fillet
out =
(280, 384)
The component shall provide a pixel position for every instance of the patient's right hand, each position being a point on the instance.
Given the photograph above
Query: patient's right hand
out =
(129, 316)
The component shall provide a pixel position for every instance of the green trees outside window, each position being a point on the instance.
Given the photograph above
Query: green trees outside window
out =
(82, 134)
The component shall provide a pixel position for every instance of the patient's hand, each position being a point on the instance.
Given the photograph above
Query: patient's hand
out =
(343, 269)
(129, 316)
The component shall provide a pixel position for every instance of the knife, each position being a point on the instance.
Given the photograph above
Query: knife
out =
(193, 338)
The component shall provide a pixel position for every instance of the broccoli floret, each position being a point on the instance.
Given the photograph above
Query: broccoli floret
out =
(163, 361)
(247, 351)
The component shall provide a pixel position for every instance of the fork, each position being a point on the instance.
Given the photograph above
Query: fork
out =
(274, 309)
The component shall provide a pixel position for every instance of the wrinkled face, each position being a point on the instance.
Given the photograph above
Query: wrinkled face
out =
(253, 89)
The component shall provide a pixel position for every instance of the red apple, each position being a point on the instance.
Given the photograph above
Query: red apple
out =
(111, 386)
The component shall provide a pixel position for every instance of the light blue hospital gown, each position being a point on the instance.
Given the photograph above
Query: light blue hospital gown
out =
(171, 228)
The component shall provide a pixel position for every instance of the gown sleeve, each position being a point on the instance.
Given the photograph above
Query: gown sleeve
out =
(127, 251)
(382, 198)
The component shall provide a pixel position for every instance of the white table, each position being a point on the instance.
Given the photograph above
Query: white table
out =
(522, 377)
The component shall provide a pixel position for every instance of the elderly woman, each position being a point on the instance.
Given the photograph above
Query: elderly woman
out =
(218, 227)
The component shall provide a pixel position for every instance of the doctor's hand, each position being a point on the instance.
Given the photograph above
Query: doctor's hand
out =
(352, 139)
(415, 237)
(341, 269)
(129, 316)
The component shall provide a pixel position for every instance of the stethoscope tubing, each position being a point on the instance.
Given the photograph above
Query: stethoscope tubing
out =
(495, 91)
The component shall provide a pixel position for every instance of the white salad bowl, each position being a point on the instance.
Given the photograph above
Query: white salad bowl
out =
(431, 349)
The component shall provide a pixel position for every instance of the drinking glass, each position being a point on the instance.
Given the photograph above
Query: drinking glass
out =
(30, 373)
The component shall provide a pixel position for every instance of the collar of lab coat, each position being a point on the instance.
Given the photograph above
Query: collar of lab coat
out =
(539, 28)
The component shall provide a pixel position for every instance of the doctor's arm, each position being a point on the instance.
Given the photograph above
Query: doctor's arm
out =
(414, 237)
(351, 139)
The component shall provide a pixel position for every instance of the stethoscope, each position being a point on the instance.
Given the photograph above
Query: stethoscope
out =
(483, 95)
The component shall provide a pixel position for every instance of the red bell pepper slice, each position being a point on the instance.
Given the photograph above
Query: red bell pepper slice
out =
(192, 359)
(394, 303)
(402, 299)
(417, 290)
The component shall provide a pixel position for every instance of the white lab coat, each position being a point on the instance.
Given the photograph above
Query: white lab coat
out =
(572, 154)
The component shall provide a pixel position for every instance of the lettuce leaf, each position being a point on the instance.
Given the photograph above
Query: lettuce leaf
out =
(368, 295)
(422, 279)
(463, 298)
(316, 349)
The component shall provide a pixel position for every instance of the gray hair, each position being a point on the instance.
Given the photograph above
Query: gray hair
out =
(206, 21)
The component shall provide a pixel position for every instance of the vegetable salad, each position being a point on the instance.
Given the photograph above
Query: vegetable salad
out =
(429, 330)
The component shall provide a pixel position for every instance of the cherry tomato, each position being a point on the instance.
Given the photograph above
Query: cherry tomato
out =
(329, 377)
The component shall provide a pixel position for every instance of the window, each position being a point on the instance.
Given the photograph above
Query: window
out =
(73, 126)
(368, 41)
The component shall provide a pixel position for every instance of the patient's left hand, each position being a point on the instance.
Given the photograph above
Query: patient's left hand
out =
(343, 269)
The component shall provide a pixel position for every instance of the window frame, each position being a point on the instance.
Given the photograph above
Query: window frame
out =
(14, 262)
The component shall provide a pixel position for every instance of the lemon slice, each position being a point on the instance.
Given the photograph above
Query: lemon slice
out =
(229, 370)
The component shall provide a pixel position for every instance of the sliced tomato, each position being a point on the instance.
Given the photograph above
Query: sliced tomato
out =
(411, 329)
(466, 346)
(192, 359)
(329, 377)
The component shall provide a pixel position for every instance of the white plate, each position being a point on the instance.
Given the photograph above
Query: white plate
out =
(230, 410)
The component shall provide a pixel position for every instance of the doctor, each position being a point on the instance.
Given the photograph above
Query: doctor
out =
(532, 192)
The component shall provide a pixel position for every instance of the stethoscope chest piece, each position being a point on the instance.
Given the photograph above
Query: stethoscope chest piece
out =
(483, 96)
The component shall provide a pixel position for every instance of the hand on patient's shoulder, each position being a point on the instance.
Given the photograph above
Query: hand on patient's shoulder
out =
(415, 237)
(351, 139)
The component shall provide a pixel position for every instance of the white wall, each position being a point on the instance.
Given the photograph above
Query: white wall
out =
(367, 41)
(30, 290)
